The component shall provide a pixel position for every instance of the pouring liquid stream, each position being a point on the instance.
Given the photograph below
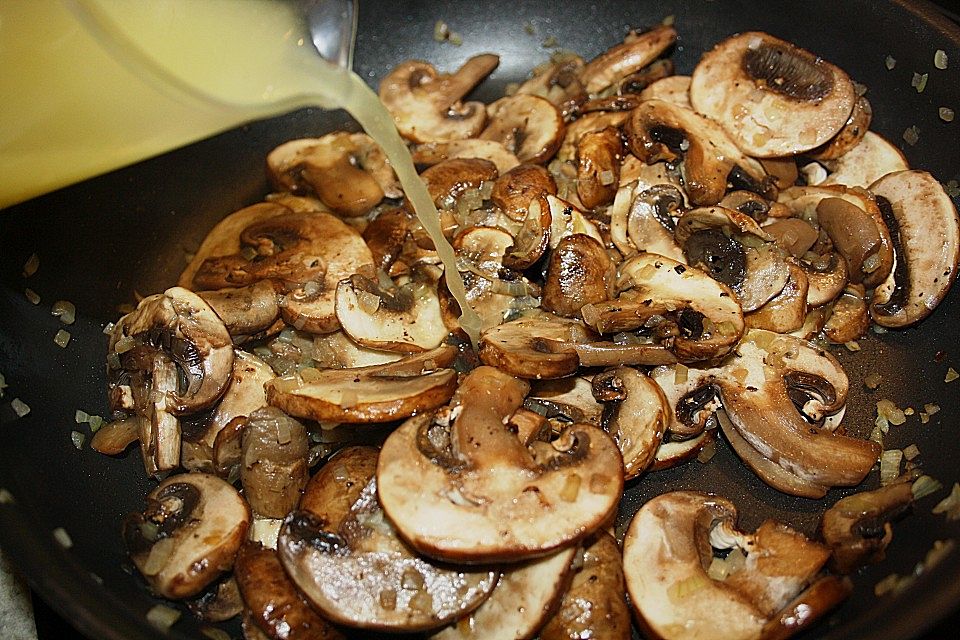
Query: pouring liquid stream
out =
(252, 59)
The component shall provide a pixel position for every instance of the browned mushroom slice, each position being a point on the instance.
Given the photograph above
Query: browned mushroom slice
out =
(224, 238)
(826, 277)
(566, 219)
(685, 311)
(447, 180)
(675, 452)
(795, 235)
(246, 311)
(849, 318)
(675, 89)
(659, 130)
(532, 239)
(244, 395)
(534, 347)
(558, 81)
(523, 601)
(594, 121)
(274, 603)
(783, 171)
(858, 528)
(636, 52)
(405, 319)
(639, 415)
(924, 218)
(579, 272)
(866, 163)
(464, 488)
(432, 153)
(772, 97)
(594, 605)
(528, 126)
(864, 243)
(693, 398)
(681, 588)
(349, 172)
(345, 557)
(514, 190)
(425, 104)
(849, 136)
(786, 311)
(188, 535)
(598, 166)
(809, 607)
(359, 396)
(631, 85)
(273, 465)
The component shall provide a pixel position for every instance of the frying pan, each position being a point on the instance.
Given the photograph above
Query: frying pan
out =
(101, 241)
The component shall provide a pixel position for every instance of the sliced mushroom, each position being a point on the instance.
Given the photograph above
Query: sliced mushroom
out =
(567, 219)
(849, 318)
(273, 467)
(272, 599)
(786, 311)
(636, 415)
(675, 89)
(675, 452)
(866, 163)
(636, 52)
(650, 223)
(538, 347)
(858, 528)
(683, 310)
(594, 121)
(218, 603)
(345, 557)
(679, 590)
(772, 97)
(464, 488)
(432, 153)
(528, 126)
(795, 235)
(247, 311)
(598, 166)
(244, 396)
(558, 81)
(783, 171)
(807, 608)
(378, 393)
(386, 235)
(525, 598)
(348, 172)
(514, 190)
(594, 605)
(425, 104)
(565, 401)
(826, 277)
(633, 84)
(448, 180)
(924, 220)
(857, 236)
(579, 272)
(849, 136)
(693, 397)
(658, 130)
(188, 535)
(405, 319)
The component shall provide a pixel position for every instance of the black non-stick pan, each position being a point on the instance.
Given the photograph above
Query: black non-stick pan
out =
(101, 241)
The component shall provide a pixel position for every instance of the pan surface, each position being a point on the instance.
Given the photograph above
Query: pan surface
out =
(101, 241)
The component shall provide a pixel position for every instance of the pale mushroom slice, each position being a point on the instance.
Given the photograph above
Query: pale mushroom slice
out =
(772, 97)
(524, 600)
(567, 219)
(923, 219)
(849, 136)
(681, 588)
(565, 401)
(866, 163)
(679, 309)
(786, 311)
(356, 396)
(244, 395)
(248, 312)
(657, 130)
(273, 603)
(650, 224)
(460, 486)
(348, 172)
(636, 416)
(431, 153)
(537, 347)
(675, 452)
(579, 272)
(617, 62)
(528, 126)
(345, 556)
(594, 605)
(849, 318)
(405, 318)
(188, 535)
(426, 105)
(675, 89)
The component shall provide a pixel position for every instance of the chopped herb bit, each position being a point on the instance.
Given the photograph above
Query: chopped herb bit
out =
(19, 407)
(62, 537)
(77, 439)
(951, 375)
(924, 486)
(946, 114)
(891, 62)
(940, 59)
(32, 295)
(62, 338)
(31, 265)
(950, 506)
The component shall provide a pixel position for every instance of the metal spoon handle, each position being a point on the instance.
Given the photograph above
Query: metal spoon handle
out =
(333, 28)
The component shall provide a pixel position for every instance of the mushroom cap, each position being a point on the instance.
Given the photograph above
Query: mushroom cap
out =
(431, 153)
(247, 312)
(529, 126)
(928, 247)
(470, 491)
(772, 97)
(189, 535)
(535, 347)
(579, 272)
(675, 89)
(866, 163)
(625, 58)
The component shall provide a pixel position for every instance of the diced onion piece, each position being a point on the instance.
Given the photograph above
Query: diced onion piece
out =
(62, 537)
(81, 416)
(940, 59)
(3, 384)
(682, 589)
(924, 486)
(32, 295)
(62, 338)
(911, 452)
(214, 633)
(124, 344)
(6, 497)
(95, 423)
(910, 135)
(890, 62)
(19, 407)
(931, 408)
(950, 506)
(872, 380)
(64, 310)
(31, 265)
(890, 465)
(893, 414)
(77, 439)
(946, 114)
(951, 375)
(162, 617)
